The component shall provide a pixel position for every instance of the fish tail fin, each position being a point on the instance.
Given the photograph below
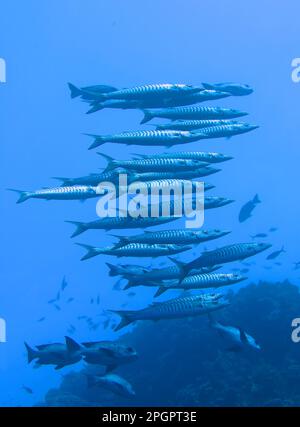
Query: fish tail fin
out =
(31, 353)
(160, 291)
(256, 199)
(123, 240)
(98, 140)
(75, 91)
(147, 116)
(130, 284)
(91, 251)
(23, 195)
(207, 86)
(72, 345)
(125, 318)
(80, 227)
(95, 107)
(182, 268)
(113, 269)
(111, 163)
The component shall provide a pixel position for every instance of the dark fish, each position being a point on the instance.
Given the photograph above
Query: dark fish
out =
(51, 301)
(192, 113)
(92, 179)
(272, 229)
(246, 210)
(64, 283)
(57, 307)
(235, 89)
(41, 319)
(174, 308)
(76, 192)
(70, 299)
(108, 353)
(297, 265)
(260, 235)
(113, 383)
(27, 389)
(275, 254)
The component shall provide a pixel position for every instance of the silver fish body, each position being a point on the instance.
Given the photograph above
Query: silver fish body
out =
(157, 164)
(174, 308)
(193, 124)
(198, 155)
(192, 113)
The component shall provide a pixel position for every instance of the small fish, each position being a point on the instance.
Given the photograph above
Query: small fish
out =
(113, 383)
(297, 265)
(51, 301)
(192, 113)
(134, 249)
(64, 284)
(76, 192)
(259, 235)
(237, 339)
(57, 307)
(131, 294)
(174, 308)
(41, 319)
(235, 89)
(92, 301)
(208, 157)
(167, 138)
(70, 300)
(229, 253)
(275, 254)
(201, 281)
(58, 296)
(246, 210)
(181, 236)
(272, 229)
(57, 354)
(193, 124)
(27, 389)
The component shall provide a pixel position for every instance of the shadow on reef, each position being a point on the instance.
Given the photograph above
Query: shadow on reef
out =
(184, 362)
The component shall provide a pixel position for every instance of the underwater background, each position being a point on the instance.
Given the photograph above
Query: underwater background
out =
(126, 43)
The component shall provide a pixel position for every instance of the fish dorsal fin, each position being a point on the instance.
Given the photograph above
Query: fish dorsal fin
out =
(243, 336)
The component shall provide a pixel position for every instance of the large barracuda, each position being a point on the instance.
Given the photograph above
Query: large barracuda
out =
(203, 95)
(134, 249)
(173, 309)
(180, 237)
(193, 124)
(76, 192)
(201, 281)
(166, 138)
(203, 113)
(197, 173)
(198, 155)
(229, 253)
(152, 91)
(154, 165)
(114, 223)
(226, 131)
(164, 184)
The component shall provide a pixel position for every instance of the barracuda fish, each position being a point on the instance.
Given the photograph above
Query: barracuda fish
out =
(201, 96)
(152, 91)
(229, 253)
(226, 131)
(147, 278)
(197, 173)
(93, 179)
(76, 192)
(113, 383)
(125, 269)
(153, 165)
(179, 237)
(173, 309)
(90, 92)
(237, 339)
(236, 89)
(198, 155)
(201, 281)
(134, 249)
(190, 113)
(193, 124)
(174, 184)
(113, 223)
(247, 208)
(57, 354)
(146, 137)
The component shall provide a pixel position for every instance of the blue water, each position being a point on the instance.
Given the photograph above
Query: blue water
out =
(47, 44)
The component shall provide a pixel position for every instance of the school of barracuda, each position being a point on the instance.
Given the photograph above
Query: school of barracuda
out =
(187, 123)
